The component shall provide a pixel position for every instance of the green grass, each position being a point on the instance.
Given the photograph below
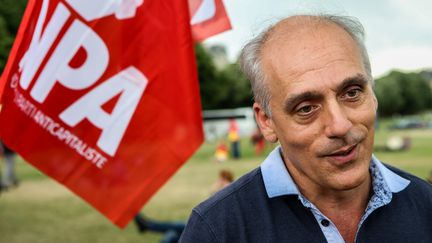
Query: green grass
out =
(417, 160)
(41, 210)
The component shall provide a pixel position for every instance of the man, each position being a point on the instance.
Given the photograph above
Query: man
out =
(312, 86)
(9, 177)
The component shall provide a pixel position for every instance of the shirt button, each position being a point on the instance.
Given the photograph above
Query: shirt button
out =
(325, 222)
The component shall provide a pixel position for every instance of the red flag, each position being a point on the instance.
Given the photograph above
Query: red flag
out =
(208, 18)
(103, 96)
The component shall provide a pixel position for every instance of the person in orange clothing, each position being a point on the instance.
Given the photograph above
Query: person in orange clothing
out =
(234, 139)
(221, 153)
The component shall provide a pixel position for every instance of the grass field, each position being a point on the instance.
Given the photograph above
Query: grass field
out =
(41, 210)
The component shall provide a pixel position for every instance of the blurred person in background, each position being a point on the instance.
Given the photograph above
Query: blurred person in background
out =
(258, 142)
(221, 153)
(9, 178)
(312, 85)
(171, 230)
(234, 139)
(224, 179)
(429, 178)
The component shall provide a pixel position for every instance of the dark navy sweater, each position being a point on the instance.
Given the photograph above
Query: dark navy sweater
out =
(244, 213)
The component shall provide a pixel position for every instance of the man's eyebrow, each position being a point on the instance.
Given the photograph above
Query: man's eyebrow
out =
(358, 79)
(292, 101)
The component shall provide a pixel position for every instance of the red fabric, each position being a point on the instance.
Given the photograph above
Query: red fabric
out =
(218, 22)
(163, 132)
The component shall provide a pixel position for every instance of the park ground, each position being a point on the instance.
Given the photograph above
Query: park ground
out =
(41, 210)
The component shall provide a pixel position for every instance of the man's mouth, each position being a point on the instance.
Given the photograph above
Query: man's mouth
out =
(343, 151)
(345, 154)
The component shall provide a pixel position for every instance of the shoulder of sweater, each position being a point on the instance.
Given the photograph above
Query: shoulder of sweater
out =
(416, 184)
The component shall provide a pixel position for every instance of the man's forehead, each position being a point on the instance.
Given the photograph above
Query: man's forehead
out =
(301, 25)
(302, 32)
(298, 47)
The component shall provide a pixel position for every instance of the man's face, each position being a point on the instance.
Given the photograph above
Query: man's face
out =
(323, 107)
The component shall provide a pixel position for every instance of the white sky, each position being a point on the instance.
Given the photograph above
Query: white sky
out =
(398, 32)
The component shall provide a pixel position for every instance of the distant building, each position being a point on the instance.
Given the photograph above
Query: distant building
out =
(219, 55)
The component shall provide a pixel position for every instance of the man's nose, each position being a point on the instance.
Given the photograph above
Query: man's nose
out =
(337, 122)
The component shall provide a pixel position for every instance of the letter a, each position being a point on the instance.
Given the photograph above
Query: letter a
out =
(130, 83)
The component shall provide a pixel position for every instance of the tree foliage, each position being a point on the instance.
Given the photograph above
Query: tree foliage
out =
(6, 40)
(211, 87)
(403, 93)
(219, 89)
(238, 87)
(11, 12)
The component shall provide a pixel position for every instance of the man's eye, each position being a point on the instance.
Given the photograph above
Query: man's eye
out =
(306, 110)
(353, 94)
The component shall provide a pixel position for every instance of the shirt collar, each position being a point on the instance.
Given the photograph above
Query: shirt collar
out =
(278, 181)
(394, 182)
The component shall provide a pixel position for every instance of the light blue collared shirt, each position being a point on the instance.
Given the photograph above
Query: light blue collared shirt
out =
(278, 182)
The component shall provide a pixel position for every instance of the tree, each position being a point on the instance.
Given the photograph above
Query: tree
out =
(11, 12)
(403, 93)
(238, 87)
(389, 96)
(5, 43)
(416, 93)
(212, 87)
(227, 88)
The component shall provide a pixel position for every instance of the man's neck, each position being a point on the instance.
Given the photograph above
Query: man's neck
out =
(344, 208)
(332, 200)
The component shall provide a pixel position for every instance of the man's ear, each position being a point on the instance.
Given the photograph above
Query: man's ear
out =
(265, 123)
